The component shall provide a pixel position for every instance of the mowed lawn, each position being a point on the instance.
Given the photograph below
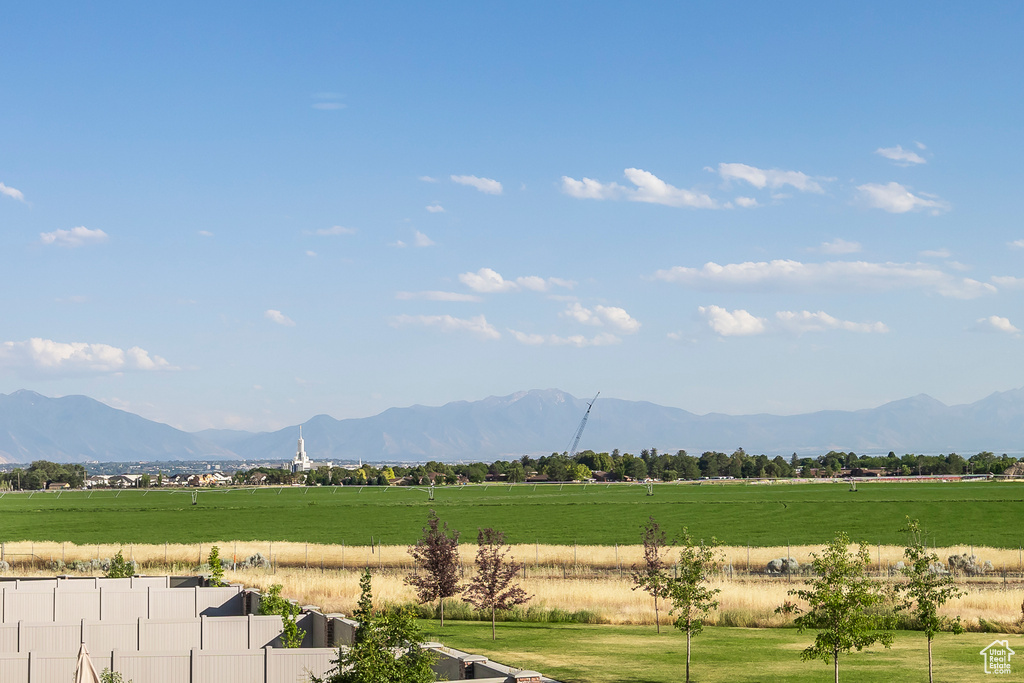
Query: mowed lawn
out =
(979, 513)
(576, 653)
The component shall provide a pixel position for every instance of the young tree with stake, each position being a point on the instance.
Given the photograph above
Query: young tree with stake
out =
(436, 553)
(652, 575)
(840, 600)
(692, 599)
(926, 591)
(494, 587)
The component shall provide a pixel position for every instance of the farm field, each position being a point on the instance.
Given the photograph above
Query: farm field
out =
(973, 513)
(584, 653)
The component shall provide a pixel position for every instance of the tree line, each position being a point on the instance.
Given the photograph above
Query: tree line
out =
(41, 473)
(649, 464)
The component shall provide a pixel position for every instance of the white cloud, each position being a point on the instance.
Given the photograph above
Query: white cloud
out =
(435, 208)
(398, 243)
(805, 321)
(75, 237)
(278, 317)
(421, 240)
(770, 178)
(649, 188)
(9, 191)
(839, 246)
(477, 325)
(205, 233)
(756, 276)
(51, 357)
(329, 106)
(736, 323)
(920, 145)
(746, 202)
(310, 252)
(489, 281)
(589, 188)
(612, 316)
(428, 179)
(936, 253)
(437, 296)
(1017, 244)
(995, 323)
(904, 157)
(895, 198)
(335, 230)
(577, 340)
(485, 185)
(328, 101)
(1007, 281)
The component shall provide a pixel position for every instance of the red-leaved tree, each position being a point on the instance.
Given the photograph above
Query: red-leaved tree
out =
(494, 587)
(436, 553)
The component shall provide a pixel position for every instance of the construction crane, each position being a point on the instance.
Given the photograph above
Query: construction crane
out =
(579, 430)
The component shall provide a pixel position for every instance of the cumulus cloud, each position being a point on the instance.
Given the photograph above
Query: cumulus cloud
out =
(8, 191)
(995, 323)
(806, 321)
(839, 246)
(896, 198)
(903, 157)
(485, 185)
(75, 237)
(428, 179)
(51, 357)
(421, 240)
(649, 188)
(477, 325)
(205, 233)
(278, 317)
(1017, 244)
(435, 208)
(746, 202)
(437, 296)
(1007, 281)
(770, 178)
(738, 323)
(783, 274)
(335, 230)
(577, 340)
(489, 281)
(612, 316)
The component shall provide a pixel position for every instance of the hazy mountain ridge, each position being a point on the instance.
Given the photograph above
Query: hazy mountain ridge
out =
(77, 428)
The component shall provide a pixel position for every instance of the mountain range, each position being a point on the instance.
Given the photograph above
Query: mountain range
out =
(80, 429)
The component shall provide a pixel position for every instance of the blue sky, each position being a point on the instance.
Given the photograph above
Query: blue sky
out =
(243, 215)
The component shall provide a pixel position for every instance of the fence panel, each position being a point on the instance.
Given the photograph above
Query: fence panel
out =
(171, 603)
(294, 665)
(103, 636)
(225, 633)
(219, 602)
(50, 637)
(154, 667)
(73, 605)
(264, 631)
(49, 667)
(170, 635)
(229, 667)
(14, 667)
(123, 605)
(27, 606)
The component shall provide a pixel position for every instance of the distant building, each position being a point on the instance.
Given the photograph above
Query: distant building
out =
(301, 462)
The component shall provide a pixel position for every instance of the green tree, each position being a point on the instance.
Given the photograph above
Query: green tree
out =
(120, 568)
(216, 568)
(843, 604)
(494, 587)
(271, 602)
(926, 591)
(386, 648)
(652, 576)
(692, 599)
(436, 553)
(108, 676)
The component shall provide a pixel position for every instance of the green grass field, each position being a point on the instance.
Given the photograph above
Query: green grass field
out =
(576, 653)
(979, 513)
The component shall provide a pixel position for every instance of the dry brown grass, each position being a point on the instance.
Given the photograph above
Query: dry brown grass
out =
(284, 554)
